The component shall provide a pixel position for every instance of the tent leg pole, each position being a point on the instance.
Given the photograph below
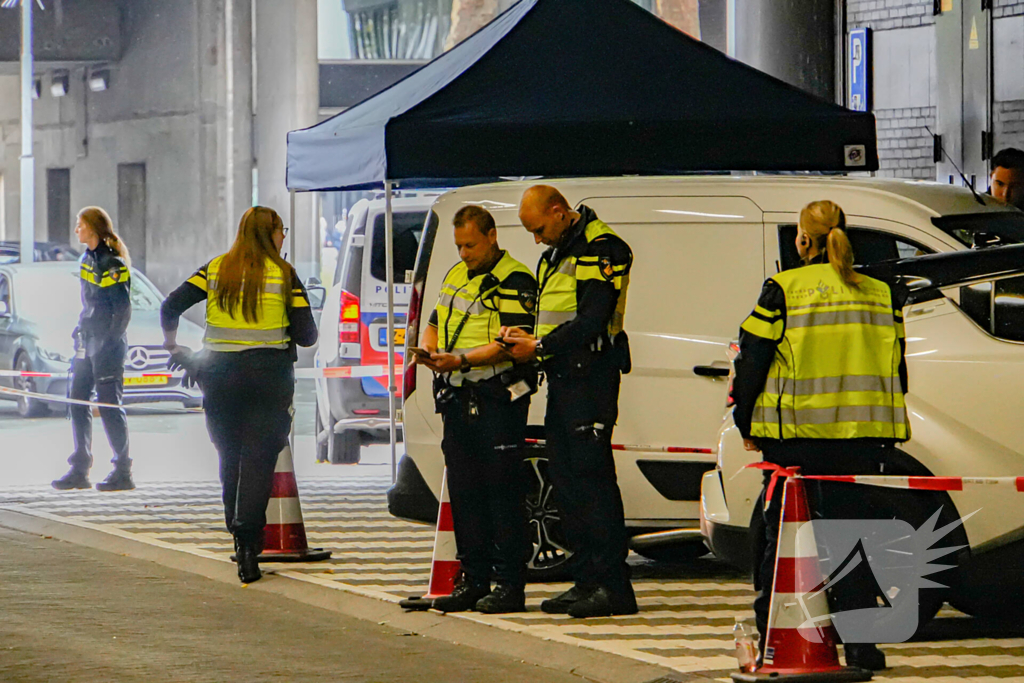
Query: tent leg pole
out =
(291, 255)
(389, 232)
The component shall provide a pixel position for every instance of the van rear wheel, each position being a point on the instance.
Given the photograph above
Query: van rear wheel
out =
(550, 557)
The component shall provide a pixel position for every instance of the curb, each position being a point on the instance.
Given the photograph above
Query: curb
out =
(472, 631)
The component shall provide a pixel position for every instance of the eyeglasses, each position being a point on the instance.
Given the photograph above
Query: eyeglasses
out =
(284, 231)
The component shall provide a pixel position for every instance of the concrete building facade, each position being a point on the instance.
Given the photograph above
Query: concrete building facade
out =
(951, 67)
(170, 146)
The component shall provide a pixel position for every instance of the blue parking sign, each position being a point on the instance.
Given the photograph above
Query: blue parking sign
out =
(859, 71)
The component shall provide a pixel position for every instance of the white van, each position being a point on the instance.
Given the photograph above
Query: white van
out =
(353, 325)
(703, 247)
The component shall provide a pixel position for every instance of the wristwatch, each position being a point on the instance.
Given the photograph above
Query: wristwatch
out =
(464, 365)
(538, 350)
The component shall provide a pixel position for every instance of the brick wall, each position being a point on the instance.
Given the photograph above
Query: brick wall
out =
(904, 145)
(882, 15)
(1009, 124)
(1007, 8)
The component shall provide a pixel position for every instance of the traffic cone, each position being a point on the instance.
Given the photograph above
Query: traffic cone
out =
(801, 642)
(444, 565)
(284, 536)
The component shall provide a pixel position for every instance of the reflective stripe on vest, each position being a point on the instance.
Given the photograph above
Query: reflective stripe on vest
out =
(225, 332)
(557, 302)
(836, 370)
(460, 297)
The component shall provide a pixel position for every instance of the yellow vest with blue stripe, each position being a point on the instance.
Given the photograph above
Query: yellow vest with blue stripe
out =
(556, 303)
(480, 303)
(231, 332)
(836, 369)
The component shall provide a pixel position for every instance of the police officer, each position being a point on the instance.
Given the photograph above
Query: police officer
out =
(256, 312)
(101, 344)
(483, 398)
(583, 278)
(820, 383)
(1007, 181)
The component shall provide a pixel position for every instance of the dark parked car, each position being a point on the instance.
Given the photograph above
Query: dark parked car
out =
(39, 308)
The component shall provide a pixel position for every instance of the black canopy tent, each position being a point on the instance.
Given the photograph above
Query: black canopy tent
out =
(575, 88)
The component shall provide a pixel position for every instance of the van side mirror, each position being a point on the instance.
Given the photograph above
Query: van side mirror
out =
(980, 240)
(317, 293)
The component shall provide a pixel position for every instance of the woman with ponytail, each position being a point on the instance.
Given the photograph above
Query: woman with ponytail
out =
(819, 385)
(256, 312)
(101, 345)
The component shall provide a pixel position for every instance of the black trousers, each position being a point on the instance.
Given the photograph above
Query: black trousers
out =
(105, 374)
(827, 500)
(248, 405)
(581, 413)
(483, 454)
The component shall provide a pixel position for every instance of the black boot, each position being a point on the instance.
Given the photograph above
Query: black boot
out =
(504, 599)
(560, 604)
(118, 480)
(248, 565)
(864, 656)
(604, 603)
(463, 598)
(74, 479)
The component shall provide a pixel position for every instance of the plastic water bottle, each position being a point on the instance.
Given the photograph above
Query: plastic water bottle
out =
(746, 646)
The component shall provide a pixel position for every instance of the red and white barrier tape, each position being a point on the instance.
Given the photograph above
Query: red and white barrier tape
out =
(887, 481)
(355, 371)
(54, 398)
(645, 449)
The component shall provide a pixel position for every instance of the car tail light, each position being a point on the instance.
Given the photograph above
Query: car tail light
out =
(412, 335)
(734, 350)
(348, 327)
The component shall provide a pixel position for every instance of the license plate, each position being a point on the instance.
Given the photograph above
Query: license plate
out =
(144, 381)
(382, 336)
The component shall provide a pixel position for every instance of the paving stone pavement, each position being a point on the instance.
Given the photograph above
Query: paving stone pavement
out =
(687, 611)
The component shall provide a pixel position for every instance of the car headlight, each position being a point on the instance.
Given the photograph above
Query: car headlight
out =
(54, 356)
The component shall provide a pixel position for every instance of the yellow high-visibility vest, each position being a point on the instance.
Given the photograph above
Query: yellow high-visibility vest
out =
(479, 301)
(836, 369)
(556, 303)
(227, 332)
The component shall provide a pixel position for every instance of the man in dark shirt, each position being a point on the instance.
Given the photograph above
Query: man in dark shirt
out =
(583, 279)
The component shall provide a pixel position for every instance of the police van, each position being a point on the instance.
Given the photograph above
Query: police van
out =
(703, 247)
(353, 325)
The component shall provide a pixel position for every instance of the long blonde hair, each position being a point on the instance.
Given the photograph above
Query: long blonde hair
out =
(825, 223)
(243, 269)
(100, 223)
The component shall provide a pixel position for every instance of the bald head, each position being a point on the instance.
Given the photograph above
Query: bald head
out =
(545, 213)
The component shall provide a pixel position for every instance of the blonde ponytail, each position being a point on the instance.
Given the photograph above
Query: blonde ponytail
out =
(825, 223)
(100, 222)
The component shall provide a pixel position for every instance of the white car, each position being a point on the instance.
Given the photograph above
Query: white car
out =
(965, 361)
(703, 246)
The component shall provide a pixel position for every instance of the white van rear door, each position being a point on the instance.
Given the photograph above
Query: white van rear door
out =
(697, 271)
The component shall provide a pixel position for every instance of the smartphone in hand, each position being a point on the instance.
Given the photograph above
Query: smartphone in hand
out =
(419, 353)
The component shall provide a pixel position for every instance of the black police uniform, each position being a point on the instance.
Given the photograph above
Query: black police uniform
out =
(583, 365)
(102, 344)
(484, 433)
(248, 402)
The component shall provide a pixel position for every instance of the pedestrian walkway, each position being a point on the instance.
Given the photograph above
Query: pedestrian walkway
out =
(687, 611)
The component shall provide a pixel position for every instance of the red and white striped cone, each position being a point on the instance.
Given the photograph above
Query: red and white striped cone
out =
(801, 642)
(444, 565)
(284, 536)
